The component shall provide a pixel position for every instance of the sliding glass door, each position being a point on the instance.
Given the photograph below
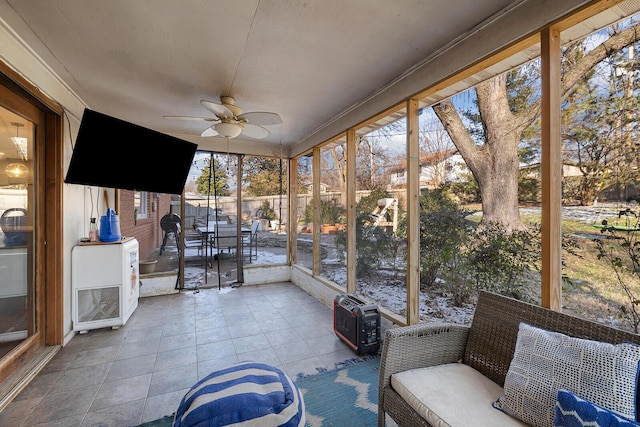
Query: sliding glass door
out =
(21, 300)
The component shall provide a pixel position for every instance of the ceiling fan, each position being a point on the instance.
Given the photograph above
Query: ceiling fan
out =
(229, 121)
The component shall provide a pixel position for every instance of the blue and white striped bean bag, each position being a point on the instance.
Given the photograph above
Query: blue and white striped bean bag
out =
(244, 394)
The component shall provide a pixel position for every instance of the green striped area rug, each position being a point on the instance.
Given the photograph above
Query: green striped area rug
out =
(346, 396)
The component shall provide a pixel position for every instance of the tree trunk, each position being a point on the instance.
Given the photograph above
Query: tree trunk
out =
(495, 163)
(589, 189)
(499, 187)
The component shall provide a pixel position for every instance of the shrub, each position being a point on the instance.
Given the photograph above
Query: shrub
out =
(266, 211)
(373, 244)
(622, 255)
(464, 191)
(330, 213)
(464, 259)
(443, 232)
(528, 189)
(502, 261)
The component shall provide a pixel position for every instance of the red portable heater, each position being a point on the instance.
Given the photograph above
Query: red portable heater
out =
(357, 323)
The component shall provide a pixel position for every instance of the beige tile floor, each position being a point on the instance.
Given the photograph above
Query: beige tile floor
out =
(140, 371)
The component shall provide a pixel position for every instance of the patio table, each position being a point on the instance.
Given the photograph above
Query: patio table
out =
(209, 235)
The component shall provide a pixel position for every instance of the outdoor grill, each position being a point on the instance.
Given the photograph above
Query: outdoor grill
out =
(170, 224)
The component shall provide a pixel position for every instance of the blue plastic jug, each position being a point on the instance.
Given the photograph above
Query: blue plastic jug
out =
(110, 227)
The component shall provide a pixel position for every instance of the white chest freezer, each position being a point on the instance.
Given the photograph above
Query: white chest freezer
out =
(105, 280)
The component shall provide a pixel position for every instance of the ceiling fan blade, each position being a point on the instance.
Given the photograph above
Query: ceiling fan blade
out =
(254, 131)
(208, 119)
(210, 131)
(216, 108)
(261, 118)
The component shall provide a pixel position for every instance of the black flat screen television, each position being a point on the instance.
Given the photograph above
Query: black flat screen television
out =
(113, 153)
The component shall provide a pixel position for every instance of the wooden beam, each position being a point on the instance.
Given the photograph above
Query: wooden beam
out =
(293, 211)
(584, 13)
(316, 211)
(351, 211)
(54, 236)
(239, 248)
(528, 40)
(381, 115)
(19, 80)
(181, 261)
(551, 170)
(413, 213)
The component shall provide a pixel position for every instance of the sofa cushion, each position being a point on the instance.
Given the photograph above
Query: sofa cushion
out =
(546, 361)
(452, 395)
(573, 411)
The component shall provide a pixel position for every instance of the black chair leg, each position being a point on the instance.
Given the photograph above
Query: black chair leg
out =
(164, 242)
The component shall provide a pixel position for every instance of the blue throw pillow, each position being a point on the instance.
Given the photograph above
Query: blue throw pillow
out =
(573, 411)
(246, 393)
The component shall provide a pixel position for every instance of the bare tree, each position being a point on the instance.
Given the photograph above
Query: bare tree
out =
(494, 161)
(371, 160)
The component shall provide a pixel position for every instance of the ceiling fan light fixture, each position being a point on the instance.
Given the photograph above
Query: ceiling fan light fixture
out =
(229, 121)
(228, 130)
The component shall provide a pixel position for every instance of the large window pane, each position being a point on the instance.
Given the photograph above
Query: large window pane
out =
(211, 219)
(477, 230)
(380, 220)
(600, 177)
(304, 211)
(264, 208)
(333, 199)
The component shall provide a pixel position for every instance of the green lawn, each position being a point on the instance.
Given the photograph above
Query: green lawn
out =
(592, 288)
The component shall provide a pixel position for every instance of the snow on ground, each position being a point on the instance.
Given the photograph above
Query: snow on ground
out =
(390, 293)
(382, 287)
(435, 305)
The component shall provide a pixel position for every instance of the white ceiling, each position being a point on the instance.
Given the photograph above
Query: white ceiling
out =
(309, 61)
(139, 60)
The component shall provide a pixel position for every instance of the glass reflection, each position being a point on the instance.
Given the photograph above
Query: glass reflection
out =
(16, 226)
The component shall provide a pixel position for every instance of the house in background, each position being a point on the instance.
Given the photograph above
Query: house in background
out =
(436, 169)
(534, 170)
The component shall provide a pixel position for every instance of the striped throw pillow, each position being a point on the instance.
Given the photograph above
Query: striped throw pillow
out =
(247, 393)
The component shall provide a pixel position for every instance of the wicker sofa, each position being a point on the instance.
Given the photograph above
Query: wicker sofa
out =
(487, 346)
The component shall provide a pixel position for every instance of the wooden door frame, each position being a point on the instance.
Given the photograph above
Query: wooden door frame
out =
(49, 239)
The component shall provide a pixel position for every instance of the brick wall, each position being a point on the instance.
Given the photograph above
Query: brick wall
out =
(146, 230)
